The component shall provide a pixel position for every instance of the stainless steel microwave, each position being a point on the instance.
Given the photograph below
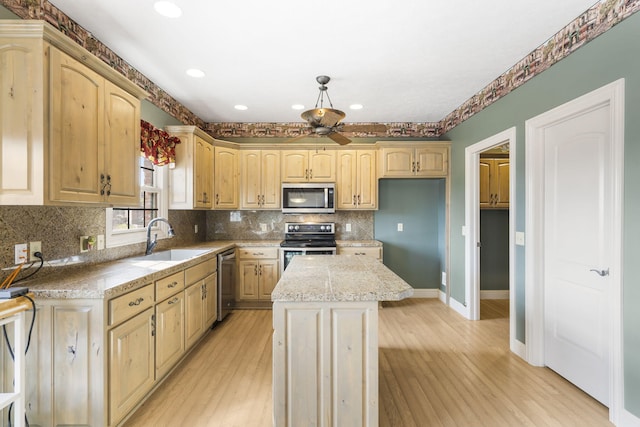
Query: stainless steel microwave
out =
(308, 197)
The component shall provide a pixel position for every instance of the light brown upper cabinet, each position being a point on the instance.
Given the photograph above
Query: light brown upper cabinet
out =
(407, 160)
(191, 181)
(357, 179)
(308, 166)
(70, 130)
(225, 180)
(260, 179)
(494, 183)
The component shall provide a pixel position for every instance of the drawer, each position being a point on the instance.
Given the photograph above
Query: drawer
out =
(169, 285)
(375, 252)
(200, 271)
(128, 305)
(258, 253)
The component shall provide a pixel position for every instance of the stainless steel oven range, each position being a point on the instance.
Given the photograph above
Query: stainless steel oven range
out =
(307, 238)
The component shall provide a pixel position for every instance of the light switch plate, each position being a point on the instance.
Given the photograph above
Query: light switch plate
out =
(100, 242)
(520, 238)
(347, 227)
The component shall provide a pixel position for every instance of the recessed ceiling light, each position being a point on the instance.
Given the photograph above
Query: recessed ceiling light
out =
(297, 107)
(356, 106)
(240, 107)
(194, 72)
(168, 9)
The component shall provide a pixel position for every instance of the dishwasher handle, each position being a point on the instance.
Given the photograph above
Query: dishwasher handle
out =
(225, 256)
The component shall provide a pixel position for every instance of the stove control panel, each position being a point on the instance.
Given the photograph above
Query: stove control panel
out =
(310, 227)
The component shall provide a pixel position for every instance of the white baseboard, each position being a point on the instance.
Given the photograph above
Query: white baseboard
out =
(460, 308)
(425, 293)
(442, 296)
(519, 349)
(627, 419)
(494, 294)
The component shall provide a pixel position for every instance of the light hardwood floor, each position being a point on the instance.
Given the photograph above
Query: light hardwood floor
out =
(436, 369)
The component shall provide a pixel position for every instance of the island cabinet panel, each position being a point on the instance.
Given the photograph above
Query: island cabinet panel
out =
(325, 363)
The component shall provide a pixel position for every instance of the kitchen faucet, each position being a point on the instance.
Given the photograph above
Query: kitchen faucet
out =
(150, 244)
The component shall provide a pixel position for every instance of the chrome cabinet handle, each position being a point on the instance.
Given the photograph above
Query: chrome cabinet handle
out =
(258, 253)
(601, 273)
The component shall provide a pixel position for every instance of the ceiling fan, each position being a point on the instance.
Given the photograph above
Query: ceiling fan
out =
(327, 121)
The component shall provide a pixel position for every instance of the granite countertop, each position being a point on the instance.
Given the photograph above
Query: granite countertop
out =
(339, 278)
(110, 279)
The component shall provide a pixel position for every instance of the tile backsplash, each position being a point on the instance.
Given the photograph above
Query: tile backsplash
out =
(269, 225)
(59, 229)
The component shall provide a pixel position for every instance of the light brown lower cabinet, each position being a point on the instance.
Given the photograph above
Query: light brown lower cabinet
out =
(131, 364)
(92, 361)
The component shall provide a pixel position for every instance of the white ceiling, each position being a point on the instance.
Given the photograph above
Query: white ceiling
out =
(404, 60)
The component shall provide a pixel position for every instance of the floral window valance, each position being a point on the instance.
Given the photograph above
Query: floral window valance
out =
(157, 145)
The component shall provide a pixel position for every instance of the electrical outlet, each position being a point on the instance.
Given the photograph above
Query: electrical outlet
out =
(444, 278)
(21, 253)
(100, 242)
(348, 227)
(33, 248)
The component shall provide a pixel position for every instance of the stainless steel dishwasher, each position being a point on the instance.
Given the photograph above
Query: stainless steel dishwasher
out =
(226, 282)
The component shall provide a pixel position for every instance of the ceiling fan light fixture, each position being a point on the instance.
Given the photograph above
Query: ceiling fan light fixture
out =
(241, 107)
(167, 9)
(297, 107)
(356, 106)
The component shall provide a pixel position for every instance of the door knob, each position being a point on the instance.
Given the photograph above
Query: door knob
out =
(601, 273)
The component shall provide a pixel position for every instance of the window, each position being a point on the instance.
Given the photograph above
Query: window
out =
(129, 225)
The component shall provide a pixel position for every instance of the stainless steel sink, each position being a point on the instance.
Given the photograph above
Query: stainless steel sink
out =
(172, 255)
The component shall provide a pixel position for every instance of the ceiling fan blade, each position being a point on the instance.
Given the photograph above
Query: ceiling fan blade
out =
(339, 138)
(299, 137)
(365, 128)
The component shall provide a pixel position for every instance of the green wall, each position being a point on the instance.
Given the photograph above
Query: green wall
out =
(613, 55)
(415, 254)
(494, 252)
(157, 117)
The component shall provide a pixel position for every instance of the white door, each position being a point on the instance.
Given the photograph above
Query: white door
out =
(578, 200)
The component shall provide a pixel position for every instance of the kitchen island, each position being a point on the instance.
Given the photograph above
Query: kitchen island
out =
(325, 340)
